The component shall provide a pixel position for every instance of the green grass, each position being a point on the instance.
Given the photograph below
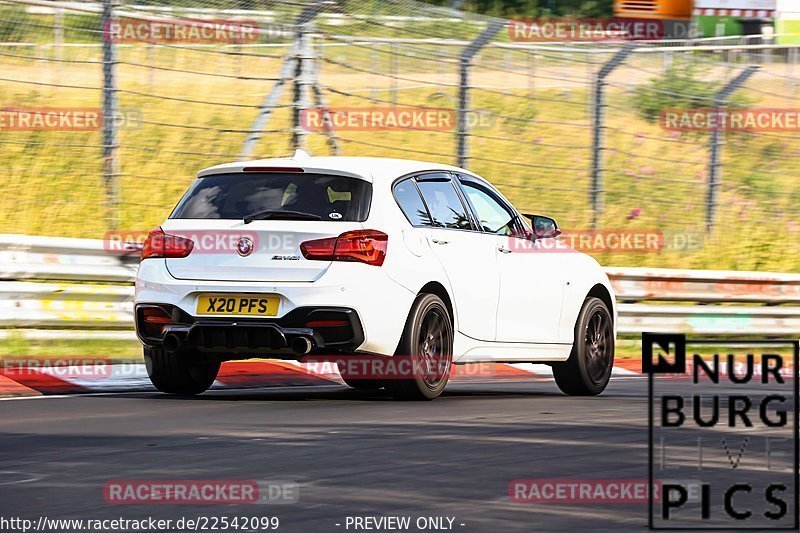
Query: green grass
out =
(53, 181)
(115, 350)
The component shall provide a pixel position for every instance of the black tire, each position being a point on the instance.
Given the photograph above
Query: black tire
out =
(427, 349)
(588, 369)
(360, 384)
(179, 372)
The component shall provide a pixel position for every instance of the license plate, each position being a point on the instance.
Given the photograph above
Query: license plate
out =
(238, 304)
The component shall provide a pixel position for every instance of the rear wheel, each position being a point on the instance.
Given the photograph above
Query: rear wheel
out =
(179, 372)
(588, 369)
(425, 352)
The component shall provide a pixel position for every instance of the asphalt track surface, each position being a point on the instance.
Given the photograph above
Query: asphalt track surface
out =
(352, 453)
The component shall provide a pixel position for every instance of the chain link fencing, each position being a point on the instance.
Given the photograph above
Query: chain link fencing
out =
(571, 129)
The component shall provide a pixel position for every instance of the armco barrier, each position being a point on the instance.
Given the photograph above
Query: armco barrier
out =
(57, 258)
(54, 287)
(704, 286)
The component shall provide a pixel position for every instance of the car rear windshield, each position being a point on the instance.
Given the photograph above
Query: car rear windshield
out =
(237, 195)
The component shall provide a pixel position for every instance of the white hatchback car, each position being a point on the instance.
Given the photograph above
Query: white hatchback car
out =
(343, 257)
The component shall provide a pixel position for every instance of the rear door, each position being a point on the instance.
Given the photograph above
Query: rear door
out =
(301, 207)
(468, 256)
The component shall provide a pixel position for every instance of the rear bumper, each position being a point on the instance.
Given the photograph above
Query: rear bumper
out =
(380, 303)
(303, 330)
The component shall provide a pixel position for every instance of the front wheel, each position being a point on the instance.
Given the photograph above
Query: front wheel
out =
(179, 373)
(588, 369)
(425, 352)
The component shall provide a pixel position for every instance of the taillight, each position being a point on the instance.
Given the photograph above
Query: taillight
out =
(364, 246)
(160, 244)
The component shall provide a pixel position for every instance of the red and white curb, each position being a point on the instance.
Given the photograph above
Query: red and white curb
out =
(132, 377)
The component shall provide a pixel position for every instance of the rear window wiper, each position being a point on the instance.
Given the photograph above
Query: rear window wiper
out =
(280, 214)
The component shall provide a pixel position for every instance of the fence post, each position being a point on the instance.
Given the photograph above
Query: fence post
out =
(58, 39)
(373, 65)
(393, 74)
(598, 129)
(462, 125)
(715, 148)
(320, 101)
(303, 72)
(110, 114)
(300, 100)
(667, 60)
(531, 73)
(150, 60)
(290, 66)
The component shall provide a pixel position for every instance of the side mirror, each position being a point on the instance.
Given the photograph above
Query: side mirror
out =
(544, 227)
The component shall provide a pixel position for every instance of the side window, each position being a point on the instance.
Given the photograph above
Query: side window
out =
(494, 215)
(410, 202)
(444, 203)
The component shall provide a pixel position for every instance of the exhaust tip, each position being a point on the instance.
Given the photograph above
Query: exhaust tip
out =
(171, 342)
(301, 345)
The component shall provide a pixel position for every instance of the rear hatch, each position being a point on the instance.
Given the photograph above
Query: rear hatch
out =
(288, 209)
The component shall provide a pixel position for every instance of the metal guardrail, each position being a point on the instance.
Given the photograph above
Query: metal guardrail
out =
(57, 258)
(54, 287)
(704, 286)
(49, 305)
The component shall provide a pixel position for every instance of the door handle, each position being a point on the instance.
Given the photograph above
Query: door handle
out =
(503, 249)
(439, 241)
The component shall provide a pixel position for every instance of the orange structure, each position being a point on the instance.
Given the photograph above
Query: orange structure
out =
(679, 10)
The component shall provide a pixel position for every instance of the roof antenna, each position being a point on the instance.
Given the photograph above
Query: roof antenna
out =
(301, 154)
